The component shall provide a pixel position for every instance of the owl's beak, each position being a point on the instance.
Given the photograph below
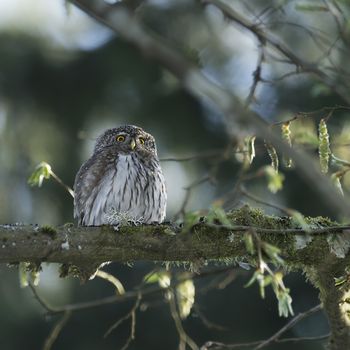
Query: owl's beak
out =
(132, 144)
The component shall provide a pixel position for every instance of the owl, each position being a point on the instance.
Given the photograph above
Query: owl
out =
(123, 176)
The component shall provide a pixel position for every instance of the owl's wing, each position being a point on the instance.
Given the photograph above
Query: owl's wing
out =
(86, 181)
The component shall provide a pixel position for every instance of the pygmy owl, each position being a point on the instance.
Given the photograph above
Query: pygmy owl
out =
(122, 176)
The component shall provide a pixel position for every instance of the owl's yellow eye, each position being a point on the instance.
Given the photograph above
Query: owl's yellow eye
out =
(120, 138)
(142, 140)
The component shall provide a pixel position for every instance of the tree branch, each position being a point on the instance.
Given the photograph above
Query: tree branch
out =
(94, 245)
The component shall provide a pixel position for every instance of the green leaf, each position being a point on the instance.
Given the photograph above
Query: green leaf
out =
(35, 277)
(245, 151)
(339, 281)
(298, 219)
(41, 172)
(190, 219)
(286, 136)
(284, 303)
(252, 279)
(162, 277)
(185, 295)
(23, 274)
(249, 143)
(249, 243)
(28, 272)
(335, 178)
(217, 215)
(324, 150)
(273, 253)
(260, 278)
(282, 295)
(274, 179)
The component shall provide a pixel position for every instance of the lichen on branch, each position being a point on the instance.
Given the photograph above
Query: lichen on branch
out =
(169, 242)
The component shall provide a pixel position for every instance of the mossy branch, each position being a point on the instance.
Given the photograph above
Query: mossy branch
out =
(167, 242)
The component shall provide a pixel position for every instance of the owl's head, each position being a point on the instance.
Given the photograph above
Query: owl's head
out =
(127, 139)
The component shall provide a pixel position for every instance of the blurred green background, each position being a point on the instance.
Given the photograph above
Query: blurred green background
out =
(64, 79)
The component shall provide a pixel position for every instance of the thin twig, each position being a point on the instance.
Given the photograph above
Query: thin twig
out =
(311, 114)
(184, 337)
(275, 338)
(210, 177)
(41, 301)
(288, 326)
(56, 330)
(256, 199)
(212, 345)
(279, 46)
(66, 187)
(207, 323)
(256, 76)
(112, 279)
(130, 295)
(106, 301)
(130, 315)
(295, 339)
(243, 228)
(207, 154)
(188, 189)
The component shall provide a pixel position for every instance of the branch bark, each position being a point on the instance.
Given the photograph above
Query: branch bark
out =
(204, 241)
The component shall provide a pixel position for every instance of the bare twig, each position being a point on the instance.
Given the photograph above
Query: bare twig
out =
(106, 301)
(189, 189)
(59, 181)
(212, 345)
(129, 295)
(207, 323)
(275, 338)
(184, 337)
(210, 177)
(339, 19)
(256, 199)
(40, 300)
(112, 279)
(289, 325)
(317, 231)
(56, 330)
(279, 46)
(256, 76)
(130, 315)
(206, 154)
(313, 114)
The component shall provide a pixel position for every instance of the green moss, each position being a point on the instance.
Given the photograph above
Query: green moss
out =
(248, 216)
(34, 267)
(319, 221)
(48, 230)
(84, 271)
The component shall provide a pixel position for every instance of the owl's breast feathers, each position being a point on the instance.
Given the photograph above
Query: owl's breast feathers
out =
(112, 182)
